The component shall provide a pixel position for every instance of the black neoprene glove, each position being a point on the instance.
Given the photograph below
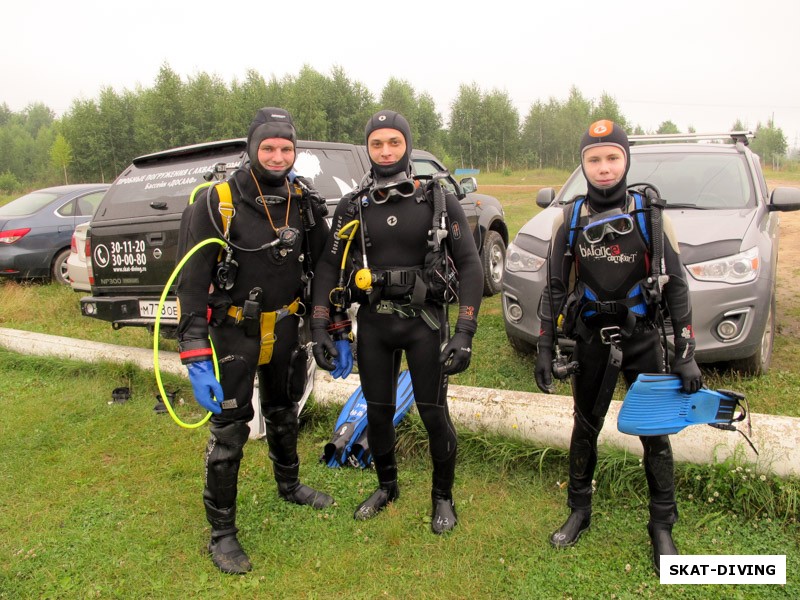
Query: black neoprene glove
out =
(684, 365)
(324, 349)
(457, 353)
(543, 371)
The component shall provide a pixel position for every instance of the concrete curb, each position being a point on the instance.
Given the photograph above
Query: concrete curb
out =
(540, 418)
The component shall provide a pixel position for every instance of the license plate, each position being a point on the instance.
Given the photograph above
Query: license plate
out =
(148, 308)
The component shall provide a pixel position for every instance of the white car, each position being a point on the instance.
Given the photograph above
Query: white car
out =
(77, 270)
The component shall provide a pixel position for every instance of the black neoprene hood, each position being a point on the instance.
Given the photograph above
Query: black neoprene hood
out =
(269, 122)
(607, 133)
(389, 119)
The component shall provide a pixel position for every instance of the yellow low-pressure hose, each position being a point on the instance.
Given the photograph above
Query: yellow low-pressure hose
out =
(344, 233)
(156, 367)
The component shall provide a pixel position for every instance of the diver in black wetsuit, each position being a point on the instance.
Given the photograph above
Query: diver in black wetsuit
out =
(401, 312)
(250, 314)
(609, 260)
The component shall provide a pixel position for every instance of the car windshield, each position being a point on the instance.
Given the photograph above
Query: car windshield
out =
(702, 180)
(27, 205)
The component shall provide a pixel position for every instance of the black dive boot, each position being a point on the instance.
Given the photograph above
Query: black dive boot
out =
(291, 490)
(387, 491)
(225, 550)
(570, 532)
(582, 461)
(660, 471)
(661, 537)
(282, 429)
(443, 518)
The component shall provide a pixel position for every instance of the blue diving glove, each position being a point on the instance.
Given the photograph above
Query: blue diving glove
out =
(207, 390)
(343, 361)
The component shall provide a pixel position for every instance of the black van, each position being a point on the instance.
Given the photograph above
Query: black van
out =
(133, 236)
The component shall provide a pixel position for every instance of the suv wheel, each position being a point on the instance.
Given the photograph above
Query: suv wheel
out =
(493, 256)
(58, 270)
(758, 363)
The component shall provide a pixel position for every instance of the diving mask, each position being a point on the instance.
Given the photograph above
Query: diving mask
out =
(405, 188)
(613, 222)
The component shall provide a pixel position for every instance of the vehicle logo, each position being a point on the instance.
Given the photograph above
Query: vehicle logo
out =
(157, 253)
(392, 221)
(101, 256)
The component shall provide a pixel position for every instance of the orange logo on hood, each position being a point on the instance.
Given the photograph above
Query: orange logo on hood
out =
(601, 128)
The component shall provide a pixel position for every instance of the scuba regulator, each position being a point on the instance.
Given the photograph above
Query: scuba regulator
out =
(563, 367)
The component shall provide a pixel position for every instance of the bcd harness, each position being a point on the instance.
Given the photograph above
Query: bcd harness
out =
(402, 292)
(250, 317)
(620, 316)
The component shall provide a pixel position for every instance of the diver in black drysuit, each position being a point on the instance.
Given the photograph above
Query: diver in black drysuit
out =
(612, 268)
(397, 235)
(278, 273)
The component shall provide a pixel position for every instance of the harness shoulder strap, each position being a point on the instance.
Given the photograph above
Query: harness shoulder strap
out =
(573, 219)
(641, 205)
(225, 205)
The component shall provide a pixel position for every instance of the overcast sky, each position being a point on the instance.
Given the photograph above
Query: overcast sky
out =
(699, 63)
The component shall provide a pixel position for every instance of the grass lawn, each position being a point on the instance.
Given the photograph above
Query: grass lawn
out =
(103, 500)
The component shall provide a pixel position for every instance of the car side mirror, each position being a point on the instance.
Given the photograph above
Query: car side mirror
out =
(784, 199)
(545, 197)
(468, 185)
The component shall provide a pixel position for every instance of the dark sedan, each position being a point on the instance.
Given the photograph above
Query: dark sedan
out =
(36, 230)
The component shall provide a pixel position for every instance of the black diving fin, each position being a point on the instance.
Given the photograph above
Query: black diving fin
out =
(351, 422)
(349, 442)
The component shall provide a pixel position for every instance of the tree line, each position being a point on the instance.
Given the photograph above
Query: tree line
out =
(95, 139)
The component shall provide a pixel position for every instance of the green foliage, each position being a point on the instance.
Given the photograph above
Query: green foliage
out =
(668, 127)
(61, 155)
(485, 128)
(551, 132)
(8, 182)
(770, 144)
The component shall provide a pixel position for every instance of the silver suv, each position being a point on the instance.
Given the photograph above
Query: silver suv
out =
(727, 224)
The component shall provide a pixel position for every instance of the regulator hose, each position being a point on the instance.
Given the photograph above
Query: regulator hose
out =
(345, 232)
(156, 329)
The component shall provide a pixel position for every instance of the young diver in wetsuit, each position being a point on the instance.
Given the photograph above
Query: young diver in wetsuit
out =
(610, 258)
(400, 313)
(276, 222)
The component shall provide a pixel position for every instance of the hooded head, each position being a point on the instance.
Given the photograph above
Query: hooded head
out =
(601, 139)
(388, 119)
(269, 123)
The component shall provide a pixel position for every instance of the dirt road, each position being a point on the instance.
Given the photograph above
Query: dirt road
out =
(789, 275)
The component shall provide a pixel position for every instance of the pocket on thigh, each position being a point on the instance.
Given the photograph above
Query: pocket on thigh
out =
(237, 383)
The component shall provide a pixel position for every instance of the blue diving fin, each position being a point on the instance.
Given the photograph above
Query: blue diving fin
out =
(656, 405)
(359, 454)
(352, 420)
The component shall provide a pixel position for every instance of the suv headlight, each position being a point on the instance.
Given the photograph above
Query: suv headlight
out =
(518, 259)
(739, 268)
